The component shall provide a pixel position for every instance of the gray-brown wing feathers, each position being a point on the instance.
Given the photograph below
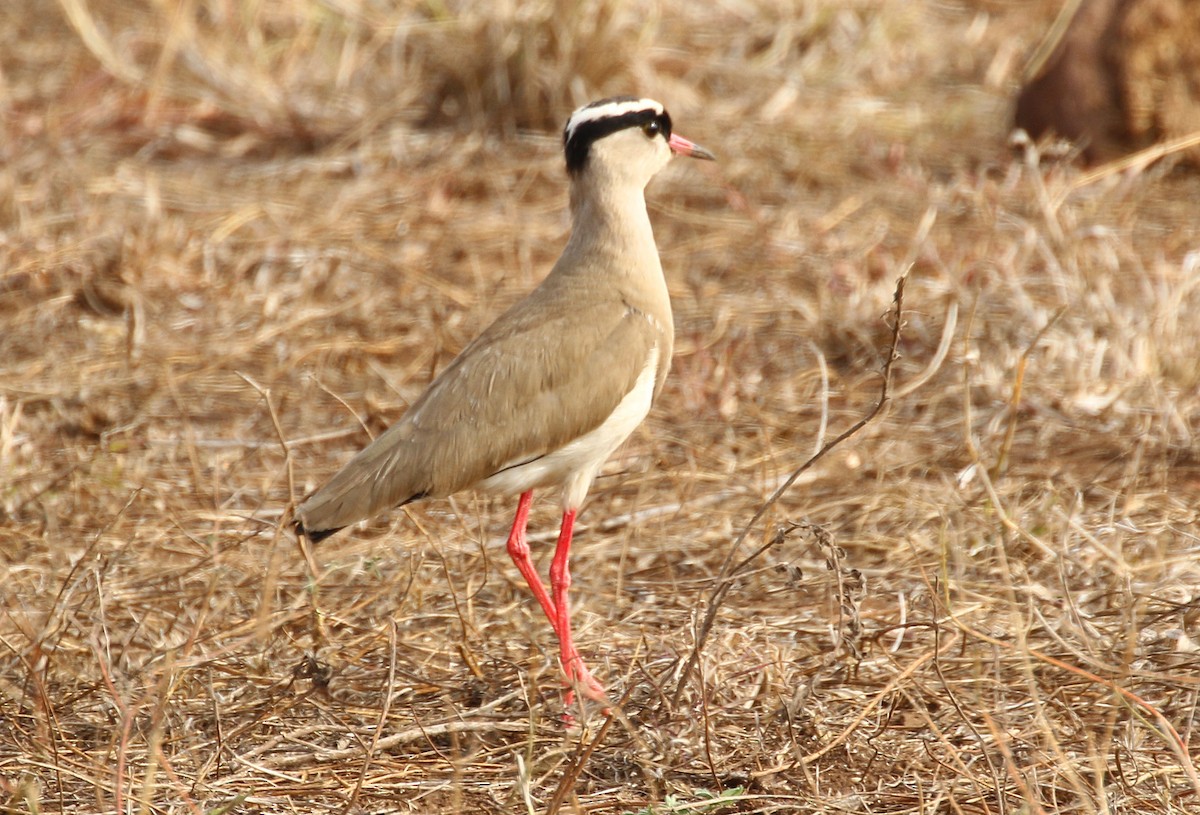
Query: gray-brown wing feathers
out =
(505, 399)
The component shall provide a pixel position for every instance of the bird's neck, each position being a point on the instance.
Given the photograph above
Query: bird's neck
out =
(610, 221)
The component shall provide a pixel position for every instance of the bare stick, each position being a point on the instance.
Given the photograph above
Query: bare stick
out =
(584, 752)
(381, 723)
(267, 603)
(729, 571)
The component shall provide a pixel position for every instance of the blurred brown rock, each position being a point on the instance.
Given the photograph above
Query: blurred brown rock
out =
(1124, 75)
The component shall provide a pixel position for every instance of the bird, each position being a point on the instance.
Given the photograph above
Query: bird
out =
(549, 391)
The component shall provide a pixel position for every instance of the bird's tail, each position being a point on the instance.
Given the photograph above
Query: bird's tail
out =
(314, 535)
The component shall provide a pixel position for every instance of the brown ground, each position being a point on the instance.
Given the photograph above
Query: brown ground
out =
(233, 234)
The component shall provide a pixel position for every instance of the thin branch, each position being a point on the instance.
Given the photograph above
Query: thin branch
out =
(583, 753)
(381, 722)
(729, 571)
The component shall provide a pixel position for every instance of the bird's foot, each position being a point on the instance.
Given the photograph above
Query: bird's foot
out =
(588, 685)
(577, 677)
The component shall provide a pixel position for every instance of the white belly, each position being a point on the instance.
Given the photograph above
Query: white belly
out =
(575, 464)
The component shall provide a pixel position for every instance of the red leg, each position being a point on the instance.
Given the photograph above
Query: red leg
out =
(560, 583)
(518, 550)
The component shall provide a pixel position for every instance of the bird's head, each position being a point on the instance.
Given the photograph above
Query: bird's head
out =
(623, 139)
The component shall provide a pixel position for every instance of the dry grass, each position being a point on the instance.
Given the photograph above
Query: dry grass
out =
(232, 235)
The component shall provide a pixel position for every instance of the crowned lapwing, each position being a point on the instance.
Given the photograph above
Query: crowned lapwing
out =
(546, 394)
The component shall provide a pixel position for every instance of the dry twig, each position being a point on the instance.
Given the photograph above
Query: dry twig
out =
(729, 569)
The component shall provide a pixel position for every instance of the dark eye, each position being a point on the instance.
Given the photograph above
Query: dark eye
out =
(652, 129)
